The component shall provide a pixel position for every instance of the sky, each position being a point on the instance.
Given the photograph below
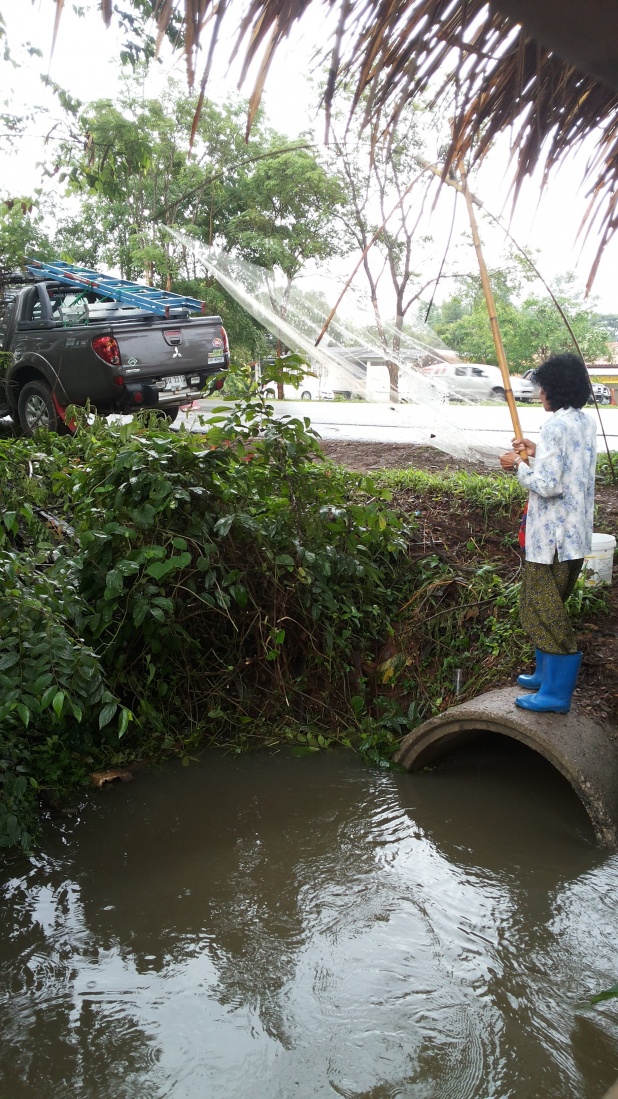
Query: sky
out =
(84, 62)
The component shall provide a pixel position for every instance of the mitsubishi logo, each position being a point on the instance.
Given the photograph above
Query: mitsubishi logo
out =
(176, 354)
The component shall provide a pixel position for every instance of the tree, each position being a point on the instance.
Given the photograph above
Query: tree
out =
(377, 181)
(23, 233)
(286, 218)
(129, 163)
(531, 331)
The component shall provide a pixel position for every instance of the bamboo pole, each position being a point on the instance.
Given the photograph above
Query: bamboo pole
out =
(452, 182)
(491, 309)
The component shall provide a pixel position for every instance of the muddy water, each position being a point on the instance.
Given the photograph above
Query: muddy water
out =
(273, 927)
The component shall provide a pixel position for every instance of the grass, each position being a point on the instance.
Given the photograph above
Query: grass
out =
(488, 492)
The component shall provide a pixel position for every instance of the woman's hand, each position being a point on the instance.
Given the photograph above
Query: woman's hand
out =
(524, 444)
(508, 460)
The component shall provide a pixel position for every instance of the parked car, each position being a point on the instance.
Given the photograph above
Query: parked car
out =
(309, 389)
(535, 386)
(601, 393)
(523, 388)
(477, 381)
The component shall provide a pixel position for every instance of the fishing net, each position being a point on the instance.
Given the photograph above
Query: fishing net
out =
(350, 358)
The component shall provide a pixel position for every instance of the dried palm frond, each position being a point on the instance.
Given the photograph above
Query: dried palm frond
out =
(391, 51)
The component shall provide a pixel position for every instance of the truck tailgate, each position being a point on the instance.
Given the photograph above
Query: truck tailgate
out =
(164, 348)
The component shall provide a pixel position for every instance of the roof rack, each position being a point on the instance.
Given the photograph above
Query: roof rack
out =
(160, 302)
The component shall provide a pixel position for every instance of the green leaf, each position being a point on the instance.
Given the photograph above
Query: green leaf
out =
(607, 994)
(24, 713)
(107, 713)
(140, 611)
(239, 593)
(159, 569)
(223, 525)
(123, 721)
(58, 703)
(113, 583)
(7, 660)
(47, 696)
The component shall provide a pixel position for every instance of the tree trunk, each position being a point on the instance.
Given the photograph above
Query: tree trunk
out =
(279, 352)
(393, 365)
(283, 312)
(393, 378)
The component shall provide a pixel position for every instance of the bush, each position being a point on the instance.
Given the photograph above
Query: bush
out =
(204, 586)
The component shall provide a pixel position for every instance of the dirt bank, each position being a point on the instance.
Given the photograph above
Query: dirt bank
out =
(450, 530)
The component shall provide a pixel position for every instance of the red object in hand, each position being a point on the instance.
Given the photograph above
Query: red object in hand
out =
(522, 528)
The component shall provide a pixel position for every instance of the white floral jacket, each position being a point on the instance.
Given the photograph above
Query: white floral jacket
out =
(561, 487)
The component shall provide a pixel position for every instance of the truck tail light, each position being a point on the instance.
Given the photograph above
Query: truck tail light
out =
(226, 342)
(106, 347)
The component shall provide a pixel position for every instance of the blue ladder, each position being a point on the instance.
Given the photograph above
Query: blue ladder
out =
(132, 293)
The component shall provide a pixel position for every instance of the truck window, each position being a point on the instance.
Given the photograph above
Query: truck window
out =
(5, 313)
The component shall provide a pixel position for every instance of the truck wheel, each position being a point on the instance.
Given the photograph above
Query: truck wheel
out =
(305, 395)
(498, 393)
(36, 408)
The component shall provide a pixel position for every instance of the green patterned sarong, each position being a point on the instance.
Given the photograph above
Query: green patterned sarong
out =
(544, 591)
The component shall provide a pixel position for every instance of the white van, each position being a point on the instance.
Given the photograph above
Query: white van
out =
(309, 389)
(477, 381)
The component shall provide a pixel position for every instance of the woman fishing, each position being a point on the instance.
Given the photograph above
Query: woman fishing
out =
(558, 528)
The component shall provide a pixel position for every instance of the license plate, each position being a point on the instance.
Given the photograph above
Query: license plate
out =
(215, 356)
(177, 381)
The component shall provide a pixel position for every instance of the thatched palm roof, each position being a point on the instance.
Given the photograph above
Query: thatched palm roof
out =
(554, 79)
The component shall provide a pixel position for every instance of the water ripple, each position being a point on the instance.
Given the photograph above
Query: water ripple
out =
(313, 928)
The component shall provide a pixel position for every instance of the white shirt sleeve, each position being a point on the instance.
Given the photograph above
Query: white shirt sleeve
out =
(546, 477)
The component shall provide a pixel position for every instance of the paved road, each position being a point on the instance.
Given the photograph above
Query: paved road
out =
(487, 427)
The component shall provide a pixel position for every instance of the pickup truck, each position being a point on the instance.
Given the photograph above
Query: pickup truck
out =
(65, 346)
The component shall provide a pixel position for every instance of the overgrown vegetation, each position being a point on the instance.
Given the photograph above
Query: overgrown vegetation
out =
(216, 586)
(161, 590)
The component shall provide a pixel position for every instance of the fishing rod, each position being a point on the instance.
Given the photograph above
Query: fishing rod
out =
(452, 182)
(491, 310)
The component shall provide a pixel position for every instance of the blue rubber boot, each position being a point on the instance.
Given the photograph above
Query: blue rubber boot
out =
(534, 681)
(559, 679)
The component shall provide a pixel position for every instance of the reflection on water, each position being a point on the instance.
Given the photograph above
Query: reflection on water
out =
(279, 927)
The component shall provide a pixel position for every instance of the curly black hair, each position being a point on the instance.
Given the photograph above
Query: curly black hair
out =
(564, 381)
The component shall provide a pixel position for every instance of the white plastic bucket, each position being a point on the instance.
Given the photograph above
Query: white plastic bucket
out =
(598, 563)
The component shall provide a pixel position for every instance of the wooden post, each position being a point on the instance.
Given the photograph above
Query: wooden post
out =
(491, 309)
